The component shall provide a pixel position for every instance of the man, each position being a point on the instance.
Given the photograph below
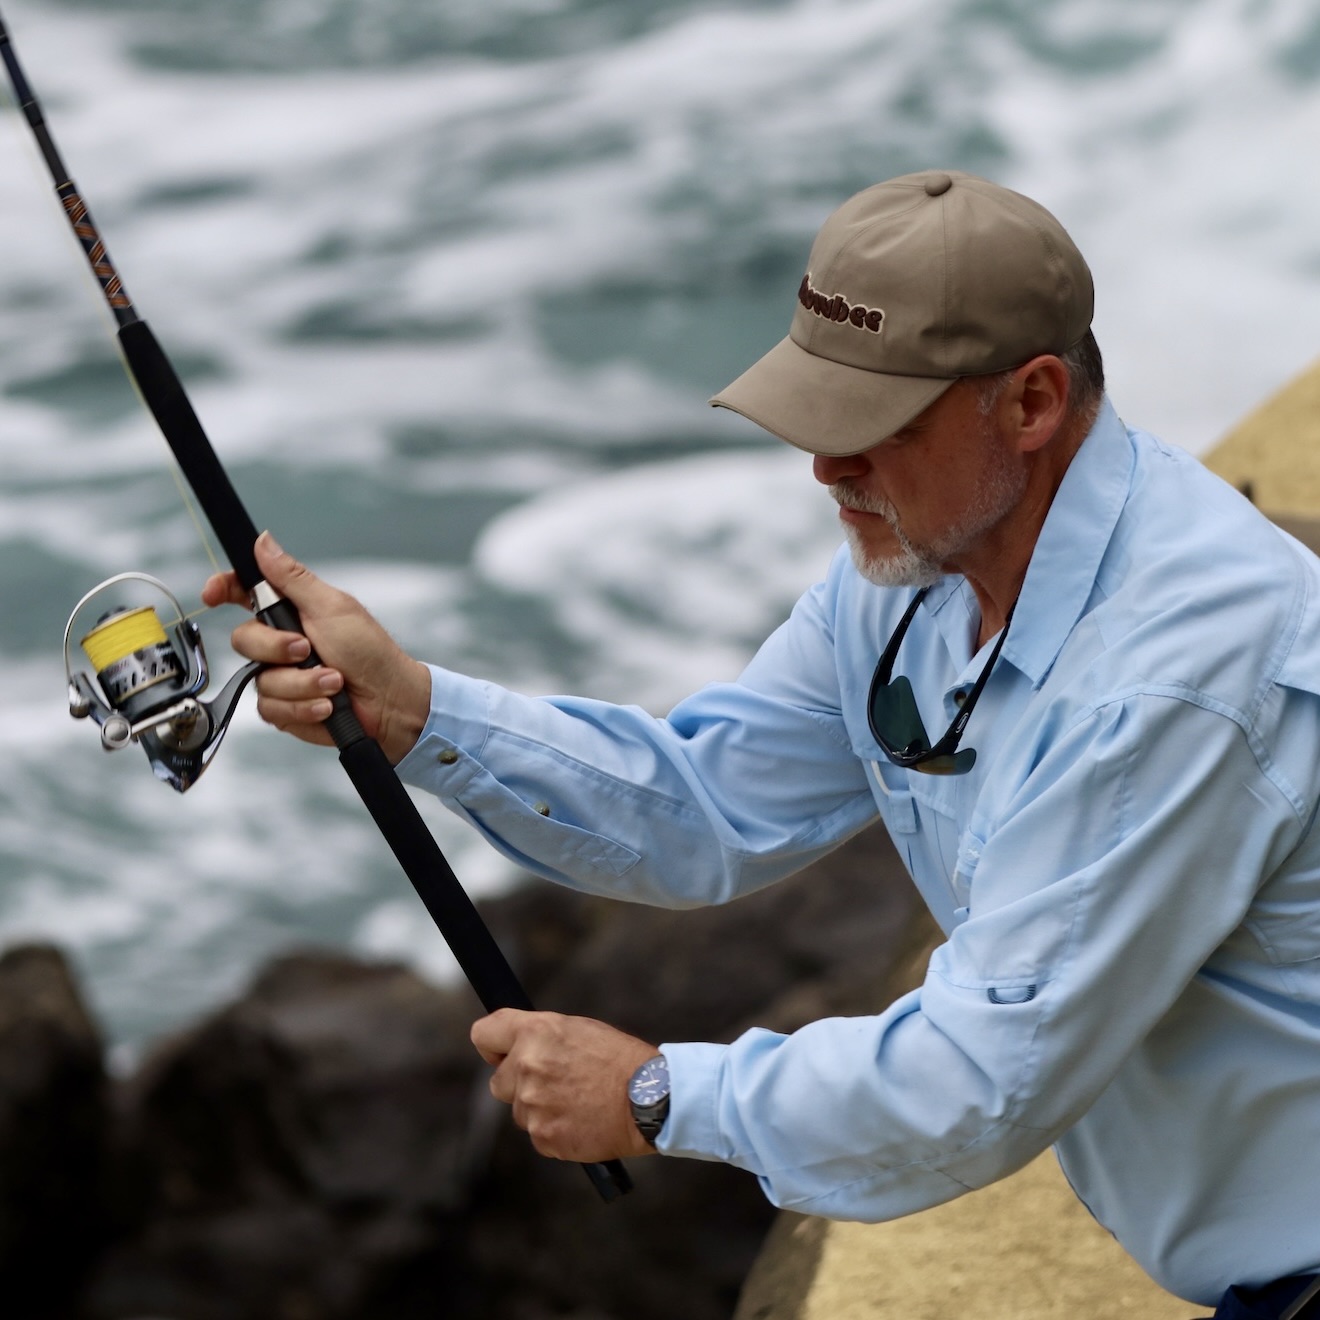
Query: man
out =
(1117, 832)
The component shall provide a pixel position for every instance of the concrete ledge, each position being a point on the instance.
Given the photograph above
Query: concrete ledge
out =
(1274, 452)
(1022, 1249)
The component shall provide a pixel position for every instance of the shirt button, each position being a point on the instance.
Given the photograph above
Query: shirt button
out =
(960, 697)
(543, 808)
(448, 756)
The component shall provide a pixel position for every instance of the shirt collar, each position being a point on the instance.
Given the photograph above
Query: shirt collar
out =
(1076, 533)
(1064, 564)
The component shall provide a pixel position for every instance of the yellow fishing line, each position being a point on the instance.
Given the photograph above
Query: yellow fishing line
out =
(122, 635)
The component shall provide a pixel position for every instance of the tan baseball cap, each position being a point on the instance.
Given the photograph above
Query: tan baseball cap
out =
(911, 285)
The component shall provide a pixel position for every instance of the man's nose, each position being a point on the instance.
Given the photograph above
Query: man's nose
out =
(829, 468)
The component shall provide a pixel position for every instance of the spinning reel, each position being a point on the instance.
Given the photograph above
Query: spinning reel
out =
(146, 687)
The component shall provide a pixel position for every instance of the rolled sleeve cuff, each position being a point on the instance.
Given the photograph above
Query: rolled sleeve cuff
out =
(456, 728)
(692, 1128)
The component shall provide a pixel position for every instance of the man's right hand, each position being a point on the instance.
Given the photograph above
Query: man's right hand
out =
(390, 691)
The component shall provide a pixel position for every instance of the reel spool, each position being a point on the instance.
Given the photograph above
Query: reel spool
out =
(146, 685)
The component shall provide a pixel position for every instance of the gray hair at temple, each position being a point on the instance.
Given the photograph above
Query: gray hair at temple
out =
(1086, 380)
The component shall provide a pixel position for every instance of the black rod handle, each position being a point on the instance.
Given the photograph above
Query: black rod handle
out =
(163, 393)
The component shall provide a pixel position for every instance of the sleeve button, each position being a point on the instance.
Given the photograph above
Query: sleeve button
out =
(543, 808)
(448, 756)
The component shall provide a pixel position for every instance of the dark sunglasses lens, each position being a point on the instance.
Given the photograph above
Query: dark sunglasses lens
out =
(895, 720)
(896, 724)
(958, 764)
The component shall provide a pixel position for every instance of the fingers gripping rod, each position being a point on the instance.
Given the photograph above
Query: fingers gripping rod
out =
(365, 762)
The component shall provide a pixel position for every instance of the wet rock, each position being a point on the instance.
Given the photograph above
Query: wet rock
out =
(302, 1153)
(53, 1135)
(326, 1148)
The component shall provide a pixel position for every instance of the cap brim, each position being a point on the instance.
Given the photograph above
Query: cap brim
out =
(823, 406)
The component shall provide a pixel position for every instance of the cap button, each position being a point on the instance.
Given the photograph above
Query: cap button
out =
(938, 184)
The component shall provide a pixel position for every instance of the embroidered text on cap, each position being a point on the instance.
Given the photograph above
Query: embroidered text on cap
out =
(835, 307)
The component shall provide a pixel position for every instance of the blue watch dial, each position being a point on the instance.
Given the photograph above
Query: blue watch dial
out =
(650, 1083)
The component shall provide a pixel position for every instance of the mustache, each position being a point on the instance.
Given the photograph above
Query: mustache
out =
(845, 494)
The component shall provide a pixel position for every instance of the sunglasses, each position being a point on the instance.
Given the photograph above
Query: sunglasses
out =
(896, 722)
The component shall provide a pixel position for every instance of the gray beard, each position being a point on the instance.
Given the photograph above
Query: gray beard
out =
(917, 565)
(911, 566)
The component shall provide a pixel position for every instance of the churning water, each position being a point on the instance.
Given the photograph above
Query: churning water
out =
(450, 282)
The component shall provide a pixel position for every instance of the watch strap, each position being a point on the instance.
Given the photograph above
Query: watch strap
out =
(648, 1097)
(651, 1120)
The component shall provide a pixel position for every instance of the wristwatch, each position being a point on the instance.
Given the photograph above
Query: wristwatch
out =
(648, 1096)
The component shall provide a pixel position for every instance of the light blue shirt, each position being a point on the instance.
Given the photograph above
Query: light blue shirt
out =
(1128, 879)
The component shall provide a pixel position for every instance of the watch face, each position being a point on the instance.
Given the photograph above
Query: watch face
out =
(650, 1083)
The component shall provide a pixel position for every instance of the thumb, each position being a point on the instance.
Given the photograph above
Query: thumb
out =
(293, 580)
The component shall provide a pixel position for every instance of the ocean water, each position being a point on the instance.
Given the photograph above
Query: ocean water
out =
(450, 284)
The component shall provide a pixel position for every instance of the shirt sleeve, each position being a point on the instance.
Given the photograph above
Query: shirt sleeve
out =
(742, 784)
(1098, 888)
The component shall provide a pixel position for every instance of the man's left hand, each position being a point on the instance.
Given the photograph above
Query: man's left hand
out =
(567, 1080)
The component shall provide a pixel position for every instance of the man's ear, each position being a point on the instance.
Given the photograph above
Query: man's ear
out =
(1038, 402)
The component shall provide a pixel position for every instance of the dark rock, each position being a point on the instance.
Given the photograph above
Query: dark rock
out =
(326, 1148)
(331, 1079)
(53, 1135)
(299, 1154)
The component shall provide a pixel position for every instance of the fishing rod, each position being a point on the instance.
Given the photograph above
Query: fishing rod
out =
(147, 687)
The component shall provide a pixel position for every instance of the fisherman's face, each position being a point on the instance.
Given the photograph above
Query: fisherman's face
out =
(918, 504)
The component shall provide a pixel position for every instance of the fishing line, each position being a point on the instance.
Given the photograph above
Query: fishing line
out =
(194, 517)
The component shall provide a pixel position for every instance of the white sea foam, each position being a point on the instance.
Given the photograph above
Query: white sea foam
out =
(1180, 175)
(684, 567)
(342, 259)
